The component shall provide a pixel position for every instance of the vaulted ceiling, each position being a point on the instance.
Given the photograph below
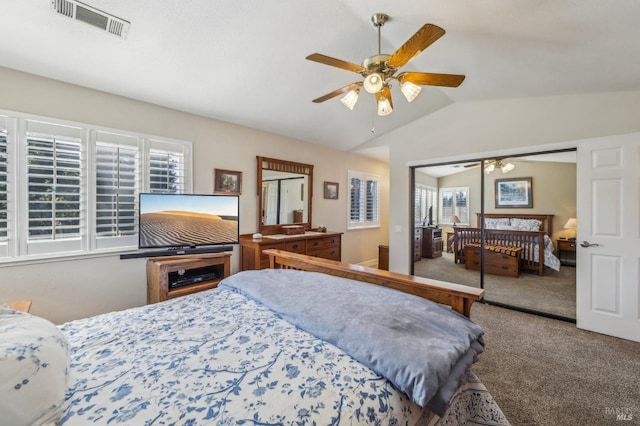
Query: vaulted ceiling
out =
(244, 61)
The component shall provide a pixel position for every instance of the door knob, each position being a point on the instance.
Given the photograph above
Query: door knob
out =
(588, 244)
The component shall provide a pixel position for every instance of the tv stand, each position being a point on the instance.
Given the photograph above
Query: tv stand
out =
(174, 276)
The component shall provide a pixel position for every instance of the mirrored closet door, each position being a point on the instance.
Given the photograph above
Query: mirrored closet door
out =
(521, 253)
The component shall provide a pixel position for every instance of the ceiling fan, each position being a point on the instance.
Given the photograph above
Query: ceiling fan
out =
(378, 70)
(491, 165)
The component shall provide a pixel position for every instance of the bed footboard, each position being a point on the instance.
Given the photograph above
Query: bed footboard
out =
(459, 297)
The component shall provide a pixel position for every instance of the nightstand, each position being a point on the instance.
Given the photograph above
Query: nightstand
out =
(22, 305)
(566, 250)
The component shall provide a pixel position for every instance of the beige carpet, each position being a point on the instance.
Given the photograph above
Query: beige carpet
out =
(553, 293)
(542, 371)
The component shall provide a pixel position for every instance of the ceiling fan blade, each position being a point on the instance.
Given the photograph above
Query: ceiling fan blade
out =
(422, 39)
(335, 93)
(431, 79)
(339, 63)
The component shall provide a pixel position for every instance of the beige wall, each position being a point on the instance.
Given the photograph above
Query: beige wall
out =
(69, 289)
(471, 130)
(553, 191)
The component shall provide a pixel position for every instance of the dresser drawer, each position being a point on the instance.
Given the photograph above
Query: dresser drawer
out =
(296, 246)
(319, 243)
(332, 253)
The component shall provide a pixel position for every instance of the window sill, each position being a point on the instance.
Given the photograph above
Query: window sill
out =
(63, 257)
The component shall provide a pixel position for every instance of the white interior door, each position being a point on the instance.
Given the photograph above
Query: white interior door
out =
(608, 273)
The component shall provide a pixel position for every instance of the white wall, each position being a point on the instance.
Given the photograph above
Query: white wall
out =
(66, 290)
(470, 130)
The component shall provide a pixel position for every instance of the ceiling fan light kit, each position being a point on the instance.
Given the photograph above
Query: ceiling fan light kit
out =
(373, 83)
(410, 90)
(349, 100)
(380, 69)
(505, 167)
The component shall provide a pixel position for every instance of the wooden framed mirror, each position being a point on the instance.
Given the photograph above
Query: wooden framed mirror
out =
(284, 194)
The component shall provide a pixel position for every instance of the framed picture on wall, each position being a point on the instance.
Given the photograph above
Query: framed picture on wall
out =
(331, 190)
(514, 193)
(227, 182)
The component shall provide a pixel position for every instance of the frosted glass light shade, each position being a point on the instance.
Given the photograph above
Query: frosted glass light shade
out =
(373, 83)
(489, 168)
(349, 100)
(410, 90)
(506, 168)
(384, 106)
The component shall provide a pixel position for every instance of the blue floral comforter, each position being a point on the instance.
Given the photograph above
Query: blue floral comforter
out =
(220, 358)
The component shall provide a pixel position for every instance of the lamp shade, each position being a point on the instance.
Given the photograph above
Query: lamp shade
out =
(489, 168)
(384, 106)
(410, 90)
(349, 100)
(373, 83)
(506, 168)
(455, 220)
(571, 223)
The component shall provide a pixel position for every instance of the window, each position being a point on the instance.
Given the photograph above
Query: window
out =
(66, 188)
(454, 202)
(364, 201)
(425, 198)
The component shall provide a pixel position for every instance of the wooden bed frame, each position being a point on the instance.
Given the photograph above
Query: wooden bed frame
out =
(527, 240)
(459, 297)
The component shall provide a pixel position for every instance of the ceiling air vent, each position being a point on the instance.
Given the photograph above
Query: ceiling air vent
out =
(90, 15)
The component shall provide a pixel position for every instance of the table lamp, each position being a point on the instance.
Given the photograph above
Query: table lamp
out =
(571, 224)
(455, 220)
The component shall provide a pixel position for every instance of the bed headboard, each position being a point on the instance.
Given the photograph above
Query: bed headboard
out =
(546, 219)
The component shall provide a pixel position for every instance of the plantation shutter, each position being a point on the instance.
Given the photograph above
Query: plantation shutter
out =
(4, 153)
(117, 185)
(167, 163)
(446, 205)
(54, 181)
(364, 200)
(357, 191)
(373, 206)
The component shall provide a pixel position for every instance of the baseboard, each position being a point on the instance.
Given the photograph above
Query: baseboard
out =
(372, 263)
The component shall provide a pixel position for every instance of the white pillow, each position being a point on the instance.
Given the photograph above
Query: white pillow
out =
(526, 224)
(508, 227)
(492, 223)
(34, 363)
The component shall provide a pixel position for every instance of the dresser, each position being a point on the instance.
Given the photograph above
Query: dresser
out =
(432, 243)
(322, 244)
(417, 244)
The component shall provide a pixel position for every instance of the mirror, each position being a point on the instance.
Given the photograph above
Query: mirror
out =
(284, 194)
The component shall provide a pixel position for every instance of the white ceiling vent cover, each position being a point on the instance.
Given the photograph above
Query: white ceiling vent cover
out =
(90, 15)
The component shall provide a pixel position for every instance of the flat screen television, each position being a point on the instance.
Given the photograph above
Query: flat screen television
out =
(181, 221)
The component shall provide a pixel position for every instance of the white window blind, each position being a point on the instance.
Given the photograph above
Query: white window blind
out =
(166, 168)
(54, 187)
(424, 198)
(69, 189)
(3, 180)
(364, 201)
(117, 185)
(454, 202)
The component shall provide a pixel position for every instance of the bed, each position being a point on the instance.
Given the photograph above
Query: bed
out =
(524, 231)
(305, 342)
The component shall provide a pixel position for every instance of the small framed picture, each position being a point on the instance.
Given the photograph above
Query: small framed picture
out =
(514, 193)
(227, 182)
(331, 190)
